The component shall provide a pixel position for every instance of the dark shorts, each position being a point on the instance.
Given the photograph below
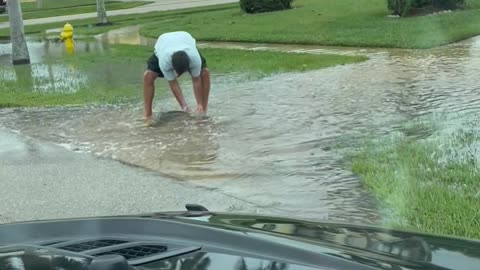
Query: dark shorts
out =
(152, 64)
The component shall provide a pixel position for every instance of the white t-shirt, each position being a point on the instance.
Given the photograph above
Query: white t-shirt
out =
(169, 43)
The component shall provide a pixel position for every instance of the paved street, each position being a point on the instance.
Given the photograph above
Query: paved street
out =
(40, 180)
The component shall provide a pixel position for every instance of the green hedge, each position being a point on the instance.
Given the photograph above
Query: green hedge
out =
(403, 7)
(450, 4)
(399, 7)
(258, 6)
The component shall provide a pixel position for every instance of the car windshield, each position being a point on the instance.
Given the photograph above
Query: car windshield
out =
(346, 111)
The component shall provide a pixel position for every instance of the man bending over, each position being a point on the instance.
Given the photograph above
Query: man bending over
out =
(176, 53)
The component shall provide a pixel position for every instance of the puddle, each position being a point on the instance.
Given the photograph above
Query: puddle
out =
(40, 49)
(273, 141)
(127, 35)
(48, 74)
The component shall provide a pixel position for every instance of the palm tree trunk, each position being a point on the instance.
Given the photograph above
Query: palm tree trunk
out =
(101, 13)
(20, 53)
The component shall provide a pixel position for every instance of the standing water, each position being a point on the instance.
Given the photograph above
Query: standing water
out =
(279, 141)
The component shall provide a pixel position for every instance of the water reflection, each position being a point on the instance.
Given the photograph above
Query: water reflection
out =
(128, 35)
(45, 75)
(49, 73)
(49, 77)
(23, 76)
(40, 49)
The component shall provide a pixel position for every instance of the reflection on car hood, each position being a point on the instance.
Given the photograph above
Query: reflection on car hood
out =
(368, 244)
(230, 241)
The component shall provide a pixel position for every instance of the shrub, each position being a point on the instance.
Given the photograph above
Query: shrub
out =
(449, 4)
(257, 6)
(399, 7)
(403, 7)
(421, 3)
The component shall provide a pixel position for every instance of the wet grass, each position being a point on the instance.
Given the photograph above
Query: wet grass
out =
(60, 8)
(266, 63)
(429, 185)
(220, 60)
(69, 81)
(325, 22)
(18, 98)
(116, 75)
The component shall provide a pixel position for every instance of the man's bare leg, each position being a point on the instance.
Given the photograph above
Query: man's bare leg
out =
(205, 87)
(148, 93)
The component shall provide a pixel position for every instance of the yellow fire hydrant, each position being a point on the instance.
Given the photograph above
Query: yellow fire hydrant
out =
(66, 36)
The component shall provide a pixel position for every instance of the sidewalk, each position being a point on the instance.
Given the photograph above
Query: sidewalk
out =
(159, 5)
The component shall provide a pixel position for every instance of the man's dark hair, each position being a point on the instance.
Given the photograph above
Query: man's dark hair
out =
(180, 62)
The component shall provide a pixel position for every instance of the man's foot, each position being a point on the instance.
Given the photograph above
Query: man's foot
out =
(186, 109)
(148, 121)
(200, 109)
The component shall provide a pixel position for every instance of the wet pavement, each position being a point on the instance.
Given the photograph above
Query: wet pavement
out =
(278, 142)
(41, 180)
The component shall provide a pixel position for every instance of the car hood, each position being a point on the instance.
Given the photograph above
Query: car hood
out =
(298, 242)
(371, 245)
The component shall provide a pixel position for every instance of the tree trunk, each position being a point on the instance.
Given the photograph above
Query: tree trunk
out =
(20, 53)
(101, 13)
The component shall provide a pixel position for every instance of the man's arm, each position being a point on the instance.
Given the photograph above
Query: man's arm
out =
(197, 89)
(177, 92)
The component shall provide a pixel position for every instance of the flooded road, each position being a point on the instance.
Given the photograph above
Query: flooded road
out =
(44, 181)
(279, 141)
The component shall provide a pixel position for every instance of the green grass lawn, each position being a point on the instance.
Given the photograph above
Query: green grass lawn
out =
(117, 74)
(429, 185)
(325, 22)
(86, 26)
(59, 8)
(52, 4)
(321, 22)
(55, 4)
